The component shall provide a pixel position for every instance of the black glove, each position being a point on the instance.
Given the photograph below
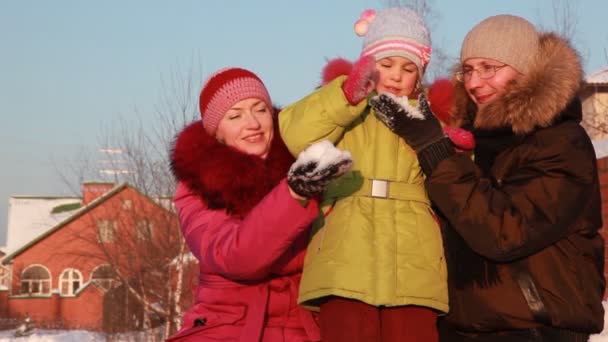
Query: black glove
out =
(316, 167)
(419, 127)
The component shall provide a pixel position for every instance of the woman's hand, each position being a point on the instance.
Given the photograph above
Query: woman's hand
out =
(316, 167)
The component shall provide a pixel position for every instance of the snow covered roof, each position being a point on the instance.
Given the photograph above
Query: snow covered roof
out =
(601, 148)
(66, 218)
(29, 216)
(69, 216)
(598, 77)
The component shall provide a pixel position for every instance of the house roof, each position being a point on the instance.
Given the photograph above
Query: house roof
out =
(77, 214)
(29, 216)
(601, 148)
(598, 77)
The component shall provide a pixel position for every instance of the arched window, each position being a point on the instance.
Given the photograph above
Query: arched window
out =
(36, 280)
(70, 281)
(103, 277)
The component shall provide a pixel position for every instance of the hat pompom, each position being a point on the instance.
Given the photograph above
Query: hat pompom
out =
(362, 25)
(368, 15)
(334, 68)
(441, 97)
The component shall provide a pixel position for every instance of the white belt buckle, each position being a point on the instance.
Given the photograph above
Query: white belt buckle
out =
(379, 188)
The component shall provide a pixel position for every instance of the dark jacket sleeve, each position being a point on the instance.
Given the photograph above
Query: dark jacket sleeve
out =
(532, 206)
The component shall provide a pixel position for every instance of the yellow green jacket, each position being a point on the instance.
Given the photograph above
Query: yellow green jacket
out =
(382, 251)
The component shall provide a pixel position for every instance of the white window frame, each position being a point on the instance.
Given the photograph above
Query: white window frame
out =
(40, 284)
(103, 283)
(127, 204)
(67, 286)
(106, 230)
(144, 229)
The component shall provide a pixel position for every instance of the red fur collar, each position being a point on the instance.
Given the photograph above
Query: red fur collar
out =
(224, 177)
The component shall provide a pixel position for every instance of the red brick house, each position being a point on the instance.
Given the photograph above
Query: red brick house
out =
(594, 96)
(62, 277)
(601, 148)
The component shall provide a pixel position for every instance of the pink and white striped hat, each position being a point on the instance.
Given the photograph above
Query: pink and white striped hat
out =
(225, 88)
(395, 31)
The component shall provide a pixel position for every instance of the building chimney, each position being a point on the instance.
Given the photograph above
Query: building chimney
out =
(91, 191)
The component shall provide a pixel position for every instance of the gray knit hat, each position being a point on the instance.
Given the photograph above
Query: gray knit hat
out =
(395, 31)
(506, 38)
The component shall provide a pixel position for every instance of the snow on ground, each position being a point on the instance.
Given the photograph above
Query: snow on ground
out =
(54, 336)
(603, 336)
(44, 335)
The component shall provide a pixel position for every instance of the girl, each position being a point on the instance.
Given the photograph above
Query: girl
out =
(375, 266)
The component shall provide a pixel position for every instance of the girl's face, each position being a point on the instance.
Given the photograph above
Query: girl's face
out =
(485, 79)
(398, 75)
(248, 127)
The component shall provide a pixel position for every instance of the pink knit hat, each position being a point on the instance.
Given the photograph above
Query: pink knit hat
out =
(395, 31)
(225, 88)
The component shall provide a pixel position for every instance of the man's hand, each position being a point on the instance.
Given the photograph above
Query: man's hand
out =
(417, 126)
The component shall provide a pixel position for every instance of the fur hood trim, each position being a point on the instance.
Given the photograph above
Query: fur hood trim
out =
(533, 100)
(222, 176)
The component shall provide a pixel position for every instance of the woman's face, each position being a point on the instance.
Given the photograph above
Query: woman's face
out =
(481, 88)
(248, 127)
(398, 75)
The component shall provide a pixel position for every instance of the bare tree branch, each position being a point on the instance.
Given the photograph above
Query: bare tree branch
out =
(153, 271)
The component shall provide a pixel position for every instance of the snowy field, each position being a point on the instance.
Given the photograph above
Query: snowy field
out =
(86, 336)
(54, 336)
(41, 335)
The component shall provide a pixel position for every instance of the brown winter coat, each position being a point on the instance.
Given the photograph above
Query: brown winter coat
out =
(531, 198)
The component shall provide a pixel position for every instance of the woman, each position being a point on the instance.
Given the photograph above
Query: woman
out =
(525, 257)
(245, 223)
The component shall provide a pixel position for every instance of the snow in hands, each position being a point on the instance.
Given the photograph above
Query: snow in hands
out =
(316, 167)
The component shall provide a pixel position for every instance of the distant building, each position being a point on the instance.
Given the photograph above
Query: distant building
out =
(594, 96)
(56, 265)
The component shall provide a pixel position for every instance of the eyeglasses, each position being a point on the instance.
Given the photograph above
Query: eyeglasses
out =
(484, 72)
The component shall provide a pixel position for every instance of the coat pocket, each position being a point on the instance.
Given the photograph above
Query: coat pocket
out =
(203, 317)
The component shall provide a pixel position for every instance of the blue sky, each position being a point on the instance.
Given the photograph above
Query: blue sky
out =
(68, 68)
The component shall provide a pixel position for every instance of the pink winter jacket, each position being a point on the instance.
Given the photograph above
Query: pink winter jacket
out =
(250, 270)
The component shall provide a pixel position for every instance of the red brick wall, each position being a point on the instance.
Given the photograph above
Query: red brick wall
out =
(40, 309)
(4, 303)
(602, 165)
(84, 311)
